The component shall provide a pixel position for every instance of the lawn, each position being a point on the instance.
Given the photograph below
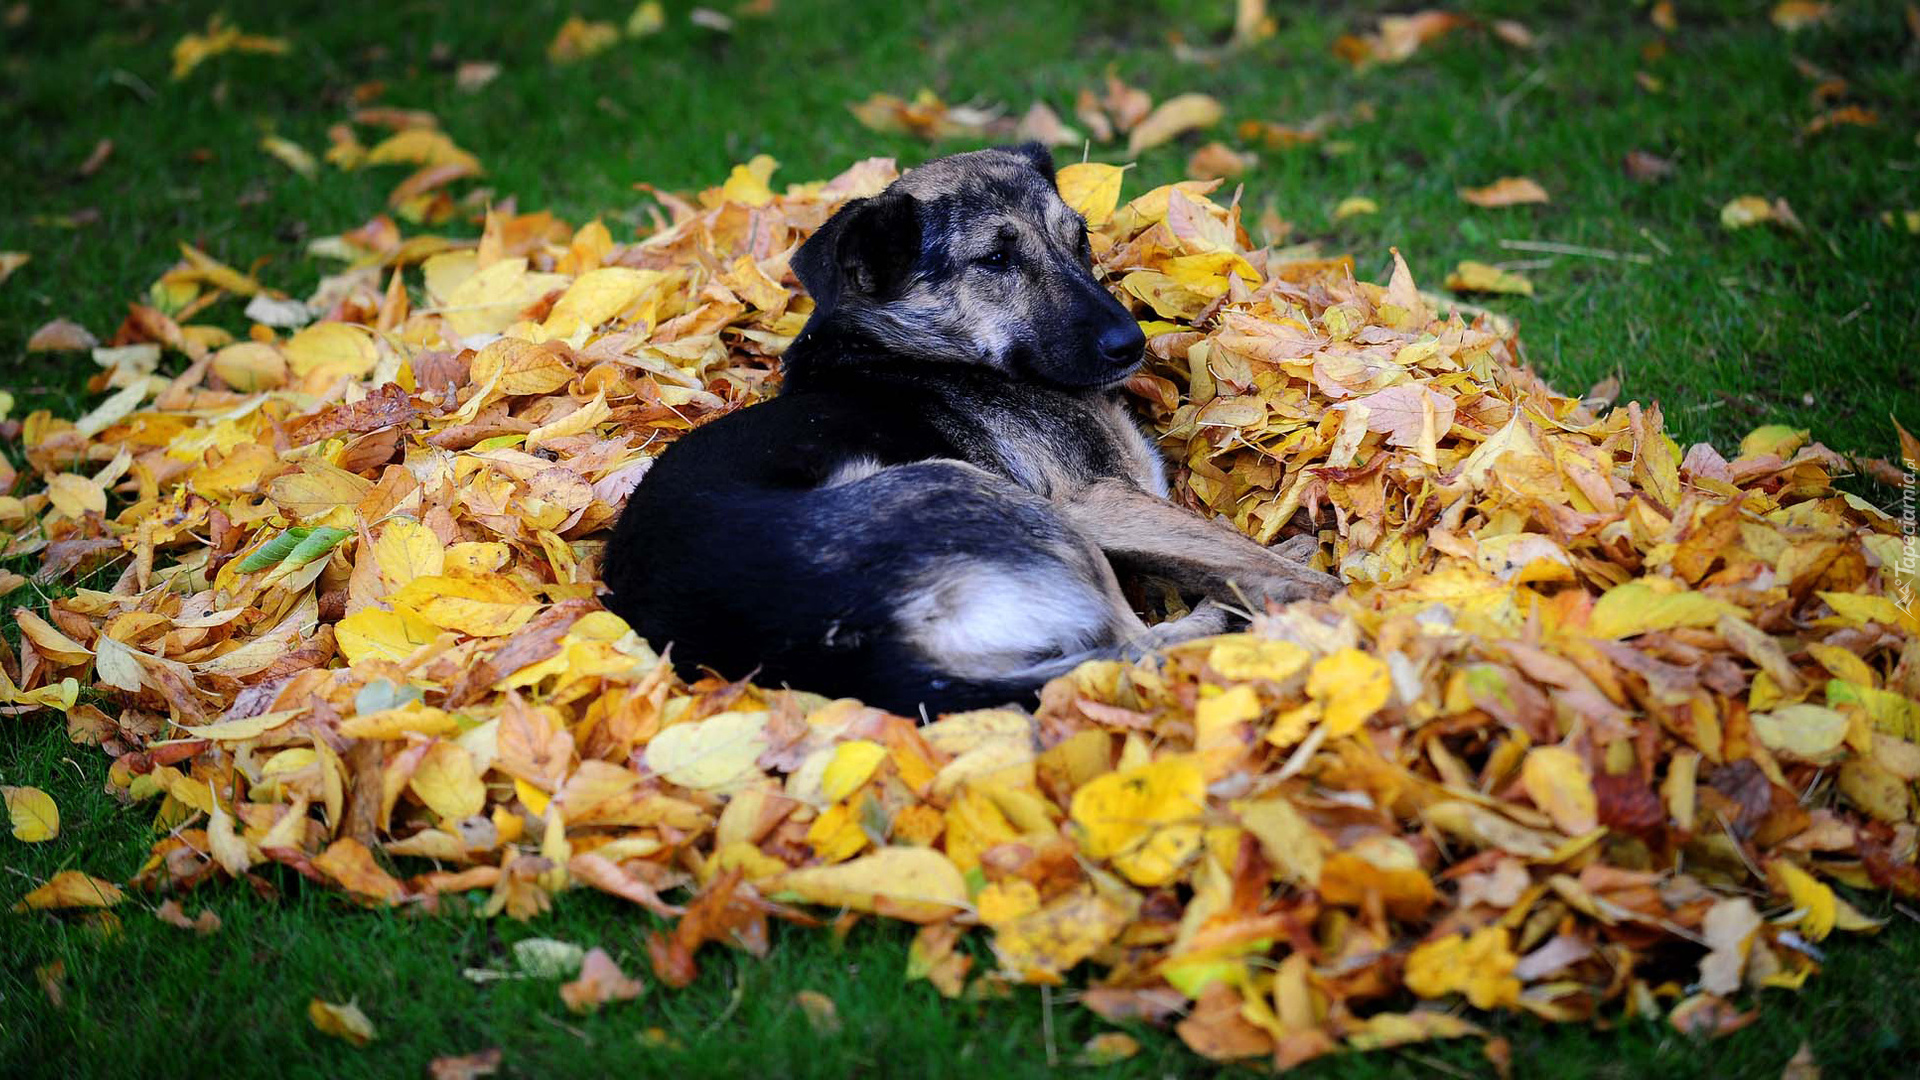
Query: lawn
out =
(1725, 329)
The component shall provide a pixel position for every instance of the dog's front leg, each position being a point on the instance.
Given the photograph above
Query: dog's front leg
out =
(1142, 532)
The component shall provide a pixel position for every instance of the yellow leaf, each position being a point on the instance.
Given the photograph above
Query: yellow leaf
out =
(448, 783)
(836, 834)
(1350, 686)
(1889, 712)
(406, 550)
(221, 37)
(1233, 706)
(1354, 206)
(71, 889)
(1865, 609)
(1639, 607)
(341, 1021)
(492, 298)
(715, 754)
(1776, 439)
(1108, 1048)
(413, 717)
(853, 762)
(1296, 849)
(335, 350)
(1818, 907)
(973, 825)
(1248, 656)
(596, 296)
(1040, 946)
(1877, 790)
(1092, 188)
(1472, 276)
(223, 842)
(47, 638)
(1173, 118)
(647, 19)
(216, 273)
(580, 38)
(292, 155)
(59, 695)
(748, 183)
(1170, 297)
(1481, 967)
(387, 635)
(243, 728)
(1747, 210)
(578, 422)
(420, 146)
(1147, 819)
(1005, 901)
(319, 494)
(1560, 783)
(33, 813)
(1802, 732)
(113, 410)
(484, 605)
(914, 884)
(1843, 664)
(76, 496)
(248, 366)
(1506, 191)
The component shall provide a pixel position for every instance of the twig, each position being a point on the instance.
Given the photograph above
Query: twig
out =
(568, 1028)
(123, 77)
(1855, 313)
(1907, 911)
(1046, 1025)
(1555, 248)
(1434, 1063)
(1647, 234)
(733, 1005)
(1513, 96)
(1739, 848)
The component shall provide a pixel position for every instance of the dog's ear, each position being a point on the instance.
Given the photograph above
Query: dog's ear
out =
(867, 248)
(1037, 155)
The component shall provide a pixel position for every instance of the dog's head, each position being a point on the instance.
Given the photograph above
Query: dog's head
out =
(973, 258)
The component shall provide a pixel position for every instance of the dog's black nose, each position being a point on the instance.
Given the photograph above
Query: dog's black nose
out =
(1121, 343)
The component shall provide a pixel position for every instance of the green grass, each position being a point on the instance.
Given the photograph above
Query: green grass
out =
(1725, 330)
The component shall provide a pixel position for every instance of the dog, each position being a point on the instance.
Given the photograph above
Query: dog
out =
(932, 512)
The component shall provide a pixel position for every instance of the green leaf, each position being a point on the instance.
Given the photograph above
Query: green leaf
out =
(318, 542)
(294, 548)
(271, 552)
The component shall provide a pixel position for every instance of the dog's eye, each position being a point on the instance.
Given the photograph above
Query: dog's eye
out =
(996, 259)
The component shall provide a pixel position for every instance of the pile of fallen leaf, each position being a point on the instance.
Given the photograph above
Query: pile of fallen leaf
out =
(1593, 730)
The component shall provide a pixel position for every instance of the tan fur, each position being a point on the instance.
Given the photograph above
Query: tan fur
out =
(1140, 530)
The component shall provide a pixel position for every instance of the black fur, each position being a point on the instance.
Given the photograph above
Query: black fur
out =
(737, 551)
(870, 245)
